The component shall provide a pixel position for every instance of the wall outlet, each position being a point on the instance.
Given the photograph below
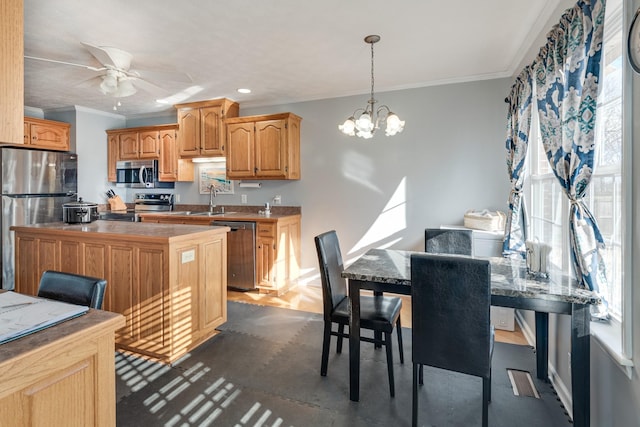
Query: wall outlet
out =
(277, 200)
(177, 198)
(243, 197)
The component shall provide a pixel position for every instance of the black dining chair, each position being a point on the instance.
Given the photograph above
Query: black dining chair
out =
(448, 241)
(72, 288)
(451, 328)
(377, 313)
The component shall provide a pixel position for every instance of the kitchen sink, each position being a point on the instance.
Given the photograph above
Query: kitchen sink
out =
(200, 213)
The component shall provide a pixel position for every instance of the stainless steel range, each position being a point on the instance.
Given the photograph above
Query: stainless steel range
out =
(143, 203)
(146, 202)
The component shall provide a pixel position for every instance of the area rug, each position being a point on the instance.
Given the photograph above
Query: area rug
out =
(263, 369)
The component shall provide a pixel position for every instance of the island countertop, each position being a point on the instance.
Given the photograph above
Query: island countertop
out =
(147, 231)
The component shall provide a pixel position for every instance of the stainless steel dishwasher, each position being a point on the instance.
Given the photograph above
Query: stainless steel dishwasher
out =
(241, 254)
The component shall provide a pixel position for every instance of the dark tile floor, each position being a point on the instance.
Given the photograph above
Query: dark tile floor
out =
(263, 370)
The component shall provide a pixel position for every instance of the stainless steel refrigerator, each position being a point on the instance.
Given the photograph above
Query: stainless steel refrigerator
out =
(35, 184)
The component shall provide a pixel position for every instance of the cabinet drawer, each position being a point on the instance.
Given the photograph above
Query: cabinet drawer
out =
(266, 230)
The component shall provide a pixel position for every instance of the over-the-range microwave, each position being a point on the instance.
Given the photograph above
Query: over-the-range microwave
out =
(139, 174)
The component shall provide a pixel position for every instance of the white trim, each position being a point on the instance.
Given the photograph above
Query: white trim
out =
(563, 392)
(608, 336)
(528, 333)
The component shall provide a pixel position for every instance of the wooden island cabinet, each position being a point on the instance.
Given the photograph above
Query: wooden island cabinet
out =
(168, 280)
(63, 375)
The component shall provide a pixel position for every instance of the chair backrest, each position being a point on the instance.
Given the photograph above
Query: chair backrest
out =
(447, 241)
(334, 286)
(450, 305)
(72, 288)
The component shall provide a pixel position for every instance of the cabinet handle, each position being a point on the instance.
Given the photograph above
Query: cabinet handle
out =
(34, 137)
(255, 170)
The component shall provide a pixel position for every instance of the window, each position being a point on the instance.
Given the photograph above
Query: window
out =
(549, 206)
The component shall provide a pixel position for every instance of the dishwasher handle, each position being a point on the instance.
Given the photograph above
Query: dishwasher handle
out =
(236, 225)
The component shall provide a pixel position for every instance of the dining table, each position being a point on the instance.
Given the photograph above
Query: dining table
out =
(389, 271)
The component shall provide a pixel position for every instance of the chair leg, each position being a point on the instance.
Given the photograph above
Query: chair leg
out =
(326, 342)
(399, 326)
(486, 393)
(421, 374)
(341, 332)
(414, 406)
(387, 344)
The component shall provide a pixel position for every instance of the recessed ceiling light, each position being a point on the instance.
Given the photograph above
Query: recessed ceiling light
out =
(242, 90)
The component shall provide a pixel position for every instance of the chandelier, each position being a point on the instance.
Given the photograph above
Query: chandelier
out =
(365, 121)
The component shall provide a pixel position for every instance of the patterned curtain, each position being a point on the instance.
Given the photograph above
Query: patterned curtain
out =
(567, 71)
(518, 128)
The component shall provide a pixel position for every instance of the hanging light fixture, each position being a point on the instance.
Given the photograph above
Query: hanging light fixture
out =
(365, 121)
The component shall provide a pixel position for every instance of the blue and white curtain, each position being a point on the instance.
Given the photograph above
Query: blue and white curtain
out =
(518, 129)
(567, 72)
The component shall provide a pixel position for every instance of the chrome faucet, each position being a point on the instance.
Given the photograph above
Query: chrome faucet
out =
(212, 193)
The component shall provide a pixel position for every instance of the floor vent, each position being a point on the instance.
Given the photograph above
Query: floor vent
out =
(522, 383)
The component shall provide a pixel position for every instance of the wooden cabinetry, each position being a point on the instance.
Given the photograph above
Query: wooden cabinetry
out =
(278, 254)
(149, 142)
(11, 71)
(61, 376)
(46, 134)
(201, 127)
(169, 283)
(277, 245)
(263, 147)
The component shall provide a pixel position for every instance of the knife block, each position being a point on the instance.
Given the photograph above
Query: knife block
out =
(117, 204)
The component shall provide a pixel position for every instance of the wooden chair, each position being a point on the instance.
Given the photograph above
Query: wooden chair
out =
(377, 313)
(451, 328)
(72, 288)
(448, 241)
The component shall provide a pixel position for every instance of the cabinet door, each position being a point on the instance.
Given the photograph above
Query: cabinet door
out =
(128, 146)
(213, 289)
(189, 132)
(151, 305)
(49, 136)
(27, 133)
(148, 145)
(270, 149)
(211, 131)
(112, 157)
(168, 163)
(265, 259)
(240, 149)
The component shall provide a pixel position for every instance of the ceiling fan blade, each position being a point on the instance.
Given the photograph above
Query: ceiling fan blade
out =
(160, 76)
(149, 87)
(90, 83)
(115, 57)
(88, 67)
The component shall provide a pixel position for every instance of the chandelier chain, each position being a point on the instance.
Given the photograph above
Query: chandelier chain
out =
(372, 100)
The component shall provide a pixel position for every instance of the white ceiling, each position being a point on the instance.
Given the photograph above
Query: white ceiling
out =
(284, 50)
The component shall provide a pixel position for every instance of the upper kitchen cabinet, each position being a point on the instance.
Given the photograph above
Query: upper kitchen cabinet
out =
(46, 134)
(138, 143)
(11, 71)
(149, 142)
(201, 127)
(263, 147)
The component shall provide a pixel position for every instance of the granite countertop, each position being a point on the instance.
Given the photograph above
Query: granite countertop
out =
(123, 228)
(232, 216)
(508, 277)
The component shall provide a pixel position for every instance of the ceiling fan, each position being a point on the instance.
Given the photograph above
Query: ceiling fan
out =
(116, 77)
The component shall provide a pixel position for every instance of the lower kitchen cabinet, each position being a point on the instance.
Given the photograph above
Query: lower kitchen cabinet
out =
(278, 254)
(171, 291)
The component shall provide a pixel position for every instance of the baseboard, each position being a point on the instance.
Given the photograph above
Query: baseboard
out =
(529, 334)
(561, 389)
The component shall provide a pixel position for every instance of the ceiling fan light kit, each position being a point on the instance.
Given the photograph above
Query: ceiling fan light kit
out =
(116, 78)
(365, 121)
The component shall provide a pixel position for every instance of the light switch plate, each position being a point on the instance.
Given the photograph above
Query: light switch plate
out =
(244, 199)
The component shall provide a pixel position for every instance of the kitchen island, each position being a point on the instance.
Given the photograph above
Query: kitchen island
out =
(168, 280)
(277, 242)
